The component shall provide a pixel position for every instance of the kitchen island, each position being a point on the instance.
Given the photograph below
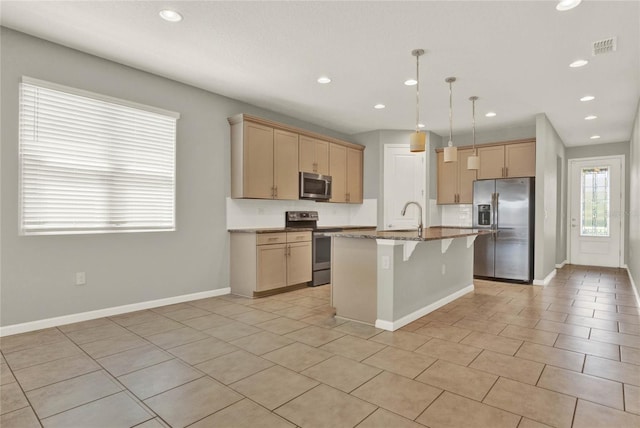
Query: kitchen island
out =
(391, 278)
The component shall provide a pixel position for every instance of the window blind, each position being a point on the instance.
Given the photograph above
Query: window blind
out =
(91, 163)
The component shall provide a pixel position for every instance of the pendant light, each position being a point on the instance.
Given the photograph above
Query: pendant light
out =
(418, 139)
(473, 161)
(450, 152)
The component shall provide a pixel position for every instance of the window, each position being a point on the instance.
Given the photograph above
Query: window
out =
(91, 163)
(594, 210)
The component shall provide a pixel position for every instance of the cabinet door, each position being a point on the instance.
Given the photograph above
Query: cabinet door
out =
(491, 162)
(307, 155)
(272, 266)
(322, 157)
(298, 263)
(520, 159)
(338, 172)
(258, 161)
(285, 166)
(354, 176)
(465, 177)
(447, 180)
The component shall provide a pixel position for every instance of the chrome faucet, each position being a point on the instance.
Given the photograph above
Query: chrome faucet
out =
(404, 211)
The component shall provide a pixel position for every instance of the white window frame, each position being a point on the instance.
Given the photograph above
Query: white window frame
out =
(114, 166)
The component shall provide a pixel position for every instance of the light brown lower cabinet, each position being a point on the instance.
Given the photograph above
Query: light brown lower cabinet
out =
(263, 263)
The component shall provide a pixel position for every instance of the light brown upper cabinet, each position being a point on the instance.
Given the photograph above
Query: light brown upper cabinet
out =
(345, 168)
(508, 160)
(455, 181)
(314, 155)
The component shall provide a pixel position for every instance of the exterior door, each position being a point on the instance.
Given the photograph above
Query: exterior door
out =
(595, 212)
(404, 181)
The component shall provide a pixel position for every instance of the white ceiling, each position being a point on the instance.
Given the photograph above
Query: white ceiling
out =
(513, 55)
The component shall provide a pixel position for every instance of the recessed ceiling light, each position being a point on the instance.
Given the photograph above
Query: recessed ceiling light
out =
(595, 137)
(591, 117)
(324, 79)
(491, 114)
(410, 82)
(567, 4)
(579, 63)
(421, 125)
(170, 15)
(588, 98)
(379, 106)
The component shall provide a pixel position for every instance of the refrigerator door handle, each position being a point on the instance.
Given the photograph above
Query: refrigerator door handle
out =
(497, 211)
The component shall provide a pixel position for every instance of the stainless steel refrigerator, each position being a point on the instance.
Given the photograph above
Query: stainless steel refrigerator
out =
(505, 206)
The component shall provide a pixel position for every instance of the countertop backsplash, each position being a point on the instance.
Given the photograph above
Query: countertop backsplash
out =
(460, 215)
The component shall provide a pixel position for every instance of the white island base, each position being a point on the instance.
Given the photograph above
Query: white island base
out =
(390, 282)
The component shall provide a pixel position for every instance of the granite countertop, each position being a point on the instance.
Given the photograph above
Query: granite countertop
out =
(428, 234)
(295, 229)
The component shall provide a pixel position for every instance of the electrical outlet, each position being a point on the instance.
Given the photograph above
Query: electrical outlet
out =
(385, 262)
(444, 269)
(81, 278)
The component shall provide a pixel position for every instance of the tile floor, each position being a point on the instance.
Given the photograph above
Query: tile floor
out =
(503, 356)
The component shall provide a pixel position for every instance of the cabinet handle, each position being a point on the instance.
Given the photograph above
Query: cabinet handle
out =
(315, 167)
(273, 239)
(272, 192)
(275, 192)
(506, 171)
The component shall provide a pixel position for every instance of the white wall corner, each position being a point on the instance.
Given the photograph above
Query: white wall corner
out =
(546, 280)
(561, 265)
(634, 287)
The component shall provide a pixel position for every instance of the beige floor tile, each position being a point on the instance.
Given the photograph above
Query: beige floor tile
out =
(12, 398)
(261, 343)
(5, 374)
(567, 329)
(514, 320)
(382, 418)
(454, 411)
(528, 423)
(32, 339)
(535, 403)
(444, 317)
(23, 418)
(98, 322)
(193, 401)
(232, 330)
(297, 356)
(118, 410)
(491, 327)
(630, 355)
(153, 380)
(102, 348)
(613, 370)
(504, 345)
(269, 305)
(449, 351)
(186, 313)
(96, 333)
(154, 327)
(243, 414)
(54, 371)
(61, 396)
(232, 367)
(134, 359)
(202, 350)
(274, 386)
(323, 320)
(254, 317)
(171, 308)
(398, 394)
(628, 328)
(583, 386)
(632, 399)
(353, 347)
(399, 361)
(629, 340)
(401, 339)
(461, 380)
(594, 415)
(548, 355)
(41, 354)
(295, 312)
(589, 347)
(180, 336)
(207, 321)
(315, 336)
(530, 335)
(571, 310)
(543, 315)
(308, 302)
(632, 319)
(598, 306)
(593, 323)
(209, 303)
(443, 331)
(341, 373)
(324, 406)
(138, 317)
(358, 329)
(511, 367)
(153, 423)
(281, 325)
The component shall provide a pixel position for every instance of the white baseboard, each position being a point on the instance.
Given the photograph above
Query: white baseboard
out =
(547, 280)
(394, 325)
(106, 312)
(633, 285)
(561, 265)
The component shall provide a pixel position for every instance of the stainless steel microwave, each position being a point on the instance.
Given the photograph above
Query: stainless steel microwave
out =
(315, 186)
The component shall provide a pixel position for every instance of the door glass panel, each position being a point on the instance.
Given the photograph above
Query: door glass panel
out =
(594, 202)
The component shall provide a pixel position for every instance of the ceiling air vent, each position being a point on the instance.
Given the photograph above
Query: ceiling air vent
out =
(605, 46)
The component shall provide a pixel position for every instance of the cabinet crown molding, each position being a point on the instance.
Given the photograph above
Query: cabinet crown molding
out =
(497, 143)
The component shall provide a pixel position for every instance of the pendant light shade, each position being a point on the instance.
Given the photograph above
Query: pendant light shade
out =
(473, 161)
(418, 139)
(450, 152)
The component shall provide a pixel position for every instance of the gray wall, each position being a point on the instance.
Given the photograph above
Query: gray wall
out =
(549, 204)
(610, 150)
(494, 135)
(38, 272)
(633, 257)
